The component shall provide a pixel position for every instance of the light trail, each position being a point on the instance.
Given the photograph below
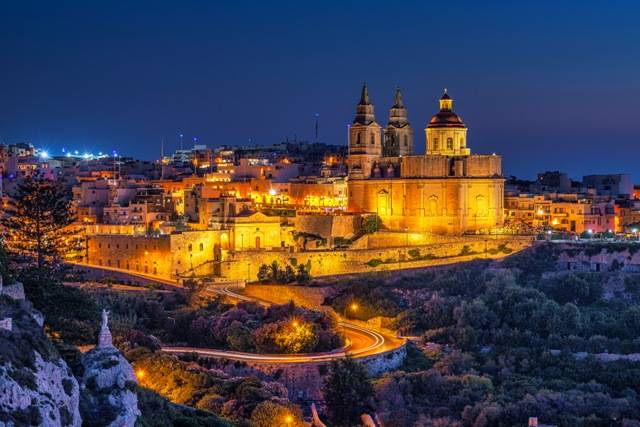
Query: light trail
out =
(364, 341)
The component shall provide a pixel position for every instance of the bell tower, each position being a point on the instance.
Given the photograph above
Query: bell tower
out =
(398, 135)
(365, 143)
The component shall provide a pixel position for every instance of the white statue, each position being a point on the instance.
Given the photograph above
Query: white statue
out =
(105, 339)
(105, 318)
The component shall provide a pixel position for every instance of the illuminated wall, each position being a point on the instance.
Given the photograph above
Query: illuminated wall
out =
(447, 205)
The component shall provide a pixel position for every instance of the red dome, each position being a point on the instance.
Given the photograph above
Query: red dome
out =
(447, 119)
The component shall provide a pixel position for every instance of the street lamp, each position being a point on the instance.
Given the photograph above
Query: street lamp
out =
(288, 419)
(353, 307)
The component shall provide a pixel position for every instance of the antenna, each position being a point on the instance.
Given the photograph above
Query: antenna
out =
(161, 158)
(317, 115)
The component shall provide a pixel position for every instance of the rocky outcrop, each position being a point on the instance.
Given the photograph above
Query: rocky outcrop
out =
(36, 385)
(108, 385)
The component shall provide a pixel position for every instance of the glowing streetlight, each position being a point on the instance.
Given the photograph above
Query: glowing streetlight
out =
(288, 419)
(353, 307)
(272, 192)
(140, 374)
(295, 323)
(44, 154)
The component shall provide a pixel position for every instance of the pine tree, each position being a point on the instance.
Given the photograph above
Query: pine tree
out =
(37, 221)
(347, 391)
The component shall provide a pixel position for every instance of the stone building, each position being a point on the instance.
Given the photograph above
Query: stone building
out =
(447, 190)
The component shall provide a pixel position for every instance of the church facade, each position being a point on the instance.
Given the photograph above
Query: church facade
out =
(447, 190)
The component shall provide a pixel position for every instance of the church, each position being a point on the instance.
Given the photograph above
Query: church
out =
(447, 190)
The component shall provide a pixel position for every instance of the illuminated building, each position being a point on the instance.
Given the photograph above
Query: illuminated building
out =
(447, 190)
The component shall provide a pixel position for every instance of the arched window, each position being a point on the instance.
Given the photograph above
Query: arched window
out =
(190, 247)
(373, 139)
(358, 139)
(449, 143)
(435, 144)
(406, 140)
(201, 247)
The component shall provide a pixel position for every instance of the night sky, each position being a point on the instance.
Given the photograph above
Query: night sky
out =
(547, 84)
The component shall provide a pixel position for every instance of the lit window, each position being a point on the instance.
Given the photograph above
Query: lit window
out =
(373, 139)
(449, 143)
(435, 143)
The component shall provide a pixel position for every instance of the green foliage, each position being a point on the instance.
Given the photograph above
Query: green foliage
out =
(158, 411)
(371, 297)
(190, 384)
(577, 288)
(490, 328)
(271, 414)
(371, 224)
(374, 262)
(36, 222)
(68, 311)
(466, 250)
(346, 392)
(246, 327)
(274, 273)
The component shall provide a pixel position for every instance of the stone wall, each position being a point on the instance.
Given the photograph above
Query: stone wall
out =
(140, 254)
(182, 253)
(303, 296)
(328, 226)
(329, 263)
(584, 257)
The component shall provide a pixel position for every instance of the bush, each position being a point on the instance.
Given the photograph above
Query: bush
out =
(374, 262)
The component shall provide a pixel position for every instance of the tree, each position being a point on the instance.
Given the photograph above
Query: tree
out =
(346, 392)
(302, 275)
(270, 414)
(264, 273)
(370, 224)
(38, 219)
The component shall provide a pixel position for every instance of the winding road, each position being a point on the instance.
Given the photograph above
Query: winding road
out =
(363, 341)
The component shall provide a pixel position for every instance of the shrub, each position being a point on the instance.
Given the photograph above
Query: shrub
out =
(374, 262)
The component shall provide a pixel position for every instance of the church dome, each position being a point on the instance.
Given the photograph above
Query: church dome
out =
(446, 118)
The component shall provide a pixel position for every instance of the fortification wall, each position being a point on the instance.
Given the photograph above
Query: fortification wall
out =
(245, 265)
(328, 225)
(303, 296)
(141, 254)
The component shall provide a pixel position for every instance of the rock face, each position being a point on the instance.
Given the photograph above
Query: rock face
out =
(36, 385)
(108, 385)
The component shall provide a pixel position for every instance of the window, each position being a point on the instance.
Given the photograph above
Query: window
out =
(201, 247)
(435, 144)
(373, 139)
(406, 140)
(190, 247)
(357, 141)
(449, 143)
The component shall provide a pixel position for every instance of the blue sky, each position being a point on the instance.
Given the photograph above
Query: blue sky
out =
(549, 85)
